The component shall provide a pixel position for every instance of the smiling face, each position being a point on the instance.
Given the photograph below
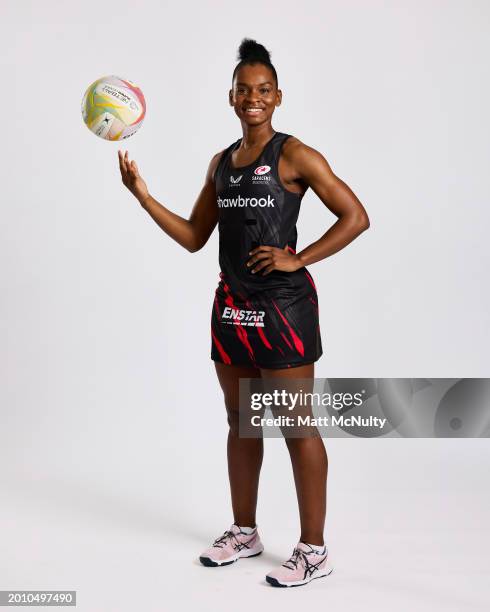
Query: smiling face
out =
(254, 94)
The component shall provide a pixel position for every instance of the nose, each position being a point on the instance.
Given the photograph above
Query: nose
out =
(252, 96)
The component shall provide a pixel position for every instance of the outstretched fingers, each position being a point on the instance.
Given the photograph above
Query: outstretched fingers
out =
(122, 166)
(126, 166)
(134, 169)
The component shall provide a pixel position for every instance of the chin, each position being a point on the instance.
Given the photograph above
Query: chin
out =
(254, 120)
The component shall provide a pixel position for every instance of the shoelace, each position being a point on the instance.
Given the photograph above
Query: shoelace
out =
(295, 558)
(223, 540)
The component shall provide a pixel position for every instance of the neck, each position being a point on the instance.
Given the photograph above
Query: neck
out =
(256, 135)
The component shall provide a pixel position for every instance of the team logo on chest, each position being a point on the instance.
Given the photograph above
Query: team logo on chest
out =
(262, 170)
(259, 174)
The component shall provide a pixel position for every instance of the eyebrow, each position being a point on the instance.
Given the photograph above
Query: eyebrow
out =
(264, 83)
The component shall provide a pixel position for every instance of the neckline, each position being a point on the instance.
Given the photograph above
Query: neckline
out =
(238, 142)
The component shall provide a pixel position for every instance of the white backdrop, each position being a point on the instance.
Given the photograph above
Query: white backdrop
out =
(113, 447)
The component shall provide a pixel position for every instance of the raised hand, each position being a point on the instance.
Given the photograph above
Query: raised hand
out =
(131, 177)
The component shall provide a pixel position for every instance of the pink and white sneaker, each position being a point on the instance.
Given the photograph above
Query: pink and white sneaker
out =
(234, 544)
(304, 565)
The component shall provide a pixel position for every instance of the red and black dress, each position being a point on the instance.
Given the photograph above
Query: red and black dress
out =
(266, 321)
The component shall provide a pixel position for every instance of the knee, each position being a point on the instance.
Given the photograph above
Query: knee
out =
(295, 444)
(232, 415)
(305, 446)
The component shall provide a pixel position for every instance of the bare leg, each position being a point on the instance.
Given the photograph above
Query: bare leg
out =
(244, 454)
(310, 468)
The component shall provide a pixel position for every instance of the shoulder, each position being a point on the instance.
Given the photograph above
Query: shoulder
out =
(304, 159)
(294, 149)
(214, 163)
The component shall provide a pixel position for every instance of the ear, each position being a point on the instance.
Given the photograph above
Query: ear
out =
(230, 97)
(279, 97)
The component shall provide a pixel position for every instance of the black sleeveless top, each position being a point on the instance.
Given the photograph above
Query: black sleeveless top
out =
(254, 208)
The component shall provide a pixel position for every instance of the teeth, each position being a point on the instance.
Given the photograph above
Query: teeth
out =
(253, 110)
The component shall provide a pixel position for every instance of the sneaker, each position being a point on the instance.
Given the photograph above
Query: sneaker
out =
(231, 546)
(302, 567)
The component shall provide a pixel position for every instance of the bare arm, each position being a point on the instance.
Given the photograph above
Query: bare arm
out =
(192, 233)
(314, 170)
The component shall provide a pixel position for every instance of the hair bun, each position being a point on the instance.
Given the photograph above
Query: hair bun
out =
(251, 50)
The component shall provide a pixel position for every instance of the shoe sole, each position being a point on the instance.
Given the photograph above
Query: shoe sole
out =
(210, 563)
(275, 582)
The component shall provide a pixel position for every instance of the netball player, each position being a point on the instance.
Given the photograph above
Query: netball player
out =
(264, 320)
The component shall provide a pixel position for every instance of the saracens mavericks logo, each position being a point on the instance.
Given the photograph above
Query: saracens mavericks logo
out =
(262, 170)
(259, 174)
(238, 316)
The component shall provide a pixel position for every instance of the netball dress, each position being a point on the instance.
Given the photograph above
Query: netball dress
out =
(266, 321)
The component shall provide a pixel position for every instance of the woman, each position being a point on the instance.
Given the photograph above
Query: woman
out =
(265, 311)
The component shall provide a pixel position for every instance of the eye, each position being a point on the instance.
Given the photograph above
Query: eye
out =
(265, 90)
